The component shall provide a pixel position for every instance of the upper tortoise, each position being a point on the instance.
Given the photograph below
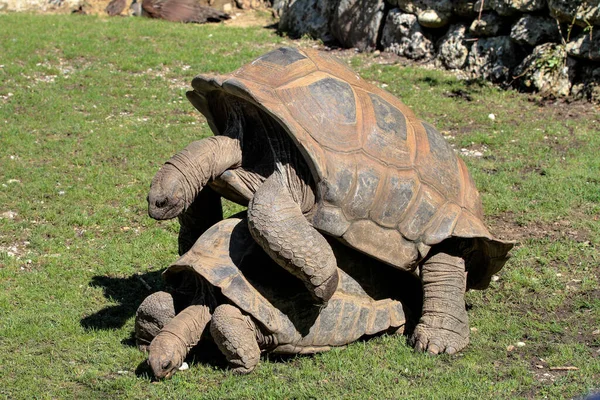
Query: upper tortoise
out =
(314, 150)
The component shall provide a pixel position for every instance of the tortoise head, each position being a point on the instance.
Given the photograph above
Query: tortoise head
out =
(163, 364)
(166, 198)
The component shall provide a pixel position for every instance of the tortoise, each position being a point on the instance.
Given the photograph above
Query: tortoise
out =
(189, 11)
(314, 150)
(254, 306)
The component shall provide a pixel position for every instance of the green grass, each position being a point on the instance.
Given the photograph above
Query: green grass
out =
(89, 110)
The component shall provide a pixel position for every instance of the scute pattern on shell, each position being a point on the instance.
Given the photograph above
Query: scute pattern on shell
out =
(388, 184)
(278, 302)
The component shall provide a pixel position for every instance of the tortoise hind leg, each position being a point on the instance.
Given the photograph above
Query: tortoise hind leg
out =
(235, 335)
(444, 324)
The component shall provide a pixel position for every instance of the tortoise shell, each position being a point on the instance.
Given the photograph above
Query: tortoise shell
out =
(387, 183)
(246, 277)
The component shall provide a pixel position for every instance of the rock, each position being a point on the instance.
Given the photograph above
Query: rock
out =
(587, 80)
(578, 10)
(490, 24)
(40, 5)
(223, 5)
(277, 6)
(249, 4)
(511, 7)
(464, 8)
(356, 23)
(452, 48)
(430, 13)
(545, 70)
(8, 215)
(520, 344)
(533, 30)
(432, 19)
(307, 17)
(493, 58)
(417, 6)
(403, 35)
(585, 46)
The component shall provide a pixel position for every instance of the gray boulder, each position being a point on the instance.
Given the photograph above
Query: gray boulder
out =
(493, 58)
(403, 35)
(490, 24)
(583, 11)
(545, 71)
(586, 45)
(533, 30)
(307, 17)
(356, 23)
(452, 48)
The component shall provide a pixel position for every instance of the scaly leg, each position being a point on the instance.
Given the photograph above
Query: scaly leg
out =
(152, 315)
(444, 325)
(235, 335)
(277, 224)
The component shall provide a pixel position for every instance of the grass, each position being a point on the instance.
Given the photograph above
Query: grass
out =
(91, 107)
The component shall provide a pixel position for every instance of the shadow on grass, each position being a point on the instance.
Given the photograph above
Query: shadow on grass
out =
(128, 292)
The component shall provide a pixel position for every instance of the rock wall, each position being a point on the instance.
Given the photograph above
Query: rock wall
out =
(548, 46)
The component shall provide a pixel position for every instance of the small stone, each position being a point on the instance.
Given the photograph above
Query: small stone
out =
(8, 215)
(539, 366)
(495, 278)
(510, 347)
(122, 372)
(184, 367)
(559, 275)
(596, 332)
(473, 329)
(492, 117)
(520, 344)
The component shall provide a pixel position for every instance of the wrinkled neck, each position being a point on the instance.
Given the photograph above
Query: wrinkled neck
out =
(204, 160)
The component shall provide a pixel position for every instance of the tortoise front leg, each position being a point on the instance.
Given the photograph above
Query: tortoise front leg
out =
(277, 224)
(444, 324)
(172, 344)
(156, 311)
(236, 336)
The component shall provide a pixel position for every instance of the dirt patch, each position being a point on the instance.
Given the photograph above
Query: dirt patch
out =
(250, 18)
(507, 226)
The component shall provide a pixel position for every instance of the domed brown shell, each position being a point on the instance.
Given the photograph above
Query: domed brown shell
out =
(388, 184)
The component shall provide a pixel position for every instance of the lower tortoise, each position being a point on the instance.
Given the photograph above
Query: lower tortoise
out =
(226, 285)
(315, 151)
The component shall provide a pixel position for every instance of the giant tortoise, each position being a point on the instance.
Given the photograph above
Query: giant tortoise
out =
(315, 150)
(252, 305)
